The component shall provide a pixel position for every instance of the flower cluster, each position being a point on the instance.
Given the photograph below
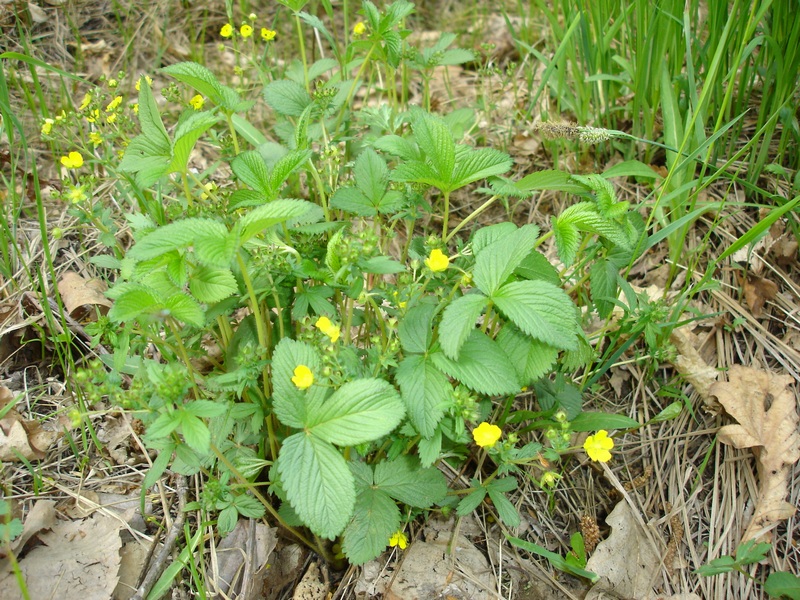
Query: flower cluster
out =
(246, 30)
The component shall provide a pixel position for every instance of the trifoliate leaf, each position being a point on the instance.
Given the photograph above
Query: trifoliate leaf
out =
(495, 263)
(211, 285)
(530, 357)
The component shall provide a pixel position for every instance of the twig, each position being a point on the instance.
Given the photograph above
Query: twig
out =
(156, 568)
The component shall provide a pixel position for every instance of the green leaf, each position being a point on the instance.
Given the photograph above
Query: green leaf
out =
(289, 403)
(560, 181)
(371, 175)
(495, 263)
(165, 424)
(212, 285)
(783, 585)
(205, 82)
(585, 217)
(531, 358)
(458, 321)
(471, 501)
(430, 449)
(251, 169)
(556, 560)
(541, 310)
(480, 163)
(285, 166)
(631, 168)
(287, 98)
(188, 131)
(482, 366)
(507, 512)
(381, 265)
(559, 394)
(536, 266)
(195, 433)
(419, 172)
(603, 284)
(352, 200)
(592, 421)
(226, 519)
(360, 411)
(179, 234)
(436, 141)
(568, 239)
(133, 304)
(185, 308)
(248, 506)
(407, 482)
(205, 408)
(398, 146)
(150, 117)
(375, 518)
(492, 233)
(426, 392)
(148, 158)
(215, 250)
(414, 330)
(271, 214)
(318, 483)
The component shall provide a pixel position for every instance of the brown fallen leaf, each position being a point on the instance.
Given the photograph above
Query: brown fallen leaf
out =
(757, 291)
(691, 365)
(82, 296)
(765, 408)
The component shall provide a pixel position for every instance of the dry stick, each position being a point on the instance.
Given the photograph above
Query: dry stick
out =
(155, 570)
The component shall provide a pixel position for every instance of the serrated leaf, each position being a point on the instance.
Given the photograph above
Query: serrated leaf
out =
(289, 403)
(495, 263)
(603, 285)
(173, 236)
(436, 141)
(585, 217)
(132, 304)
(214, 250)
(360, 411)
(149, 159)
(394, 144)
(426, 392)
(482, 366)
(195, 433)
(287, 98)
(507, 512)
(605, 195)
(285, 166)
(531, 358)
(211, 285)
(419, 172)
(186, 309)
(490, 234)
(381, 265)
(430, 448)
(407, 482)
(479, 164)
(375, 518)
(456, 56)
(352, 200)
(458, 321)
(205, 408)
(318, 483)
(251, 169)
(471, 501)
(204, 81)
(248, 506)
(371, 175)
(568, 240)
(187, 133)
(414, 330)
(541, 310)
(150, 117)
(271, 214)
(783, 584)
(536, 266)
(550, 180)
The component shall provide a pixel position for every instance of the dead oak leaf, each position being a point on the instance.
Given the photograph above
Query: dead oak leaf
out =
(757, 291)
(765, 407)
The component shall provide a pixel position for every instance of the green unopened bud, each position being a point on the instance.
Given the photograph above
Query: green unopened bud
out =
(57, 233)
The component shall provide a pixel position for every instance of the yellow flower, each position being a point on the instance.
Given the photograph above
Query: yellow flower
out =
(95, 138)
(598, 446)
(73, 160)
(325, 326)
(197, 102)
(87, 99)
(114, 103)
(47, 126)
(486, 434)
(147, 78)
(246, 30)
(437, 261)
(303, 377)
(135, 108)
(398, 539)
(209, 188)
(76, 194)
(268, 34)
(93, 116)
(226, 31)
(359, 28)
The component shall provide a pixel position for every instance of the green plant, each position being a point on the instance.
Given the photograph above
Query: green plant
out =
(778, 584)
